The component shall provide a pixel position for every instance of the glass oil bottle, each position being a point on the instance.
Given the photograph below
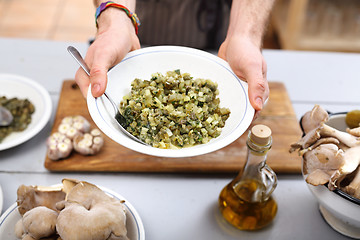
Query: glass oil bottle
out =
(246, 202)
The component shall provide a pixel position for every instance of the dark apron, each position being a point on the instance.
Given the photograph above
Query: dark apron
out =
(194, 23)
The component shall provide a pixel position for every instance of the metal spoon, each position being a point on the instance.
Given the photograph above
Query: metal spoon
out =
(6, 117)
(118, 117)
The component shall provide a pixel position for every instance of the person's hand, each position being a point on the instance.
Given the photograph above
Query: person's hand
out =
(247, 62)
(115, 38)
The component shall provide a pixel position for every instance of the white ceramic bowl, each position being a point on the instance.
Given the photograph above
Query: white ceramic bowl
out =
(25, 88)
(142, 63)
(340, 211)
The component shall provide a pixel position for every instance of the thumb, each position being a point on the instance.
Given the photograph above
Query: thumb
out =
(258, 93)
(258, 89)
(98, 77)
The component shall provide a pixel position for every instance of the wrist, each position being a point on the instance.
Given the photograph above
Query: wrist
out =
(243, 39)
(113, 17)
(111, 13)
(130, 4)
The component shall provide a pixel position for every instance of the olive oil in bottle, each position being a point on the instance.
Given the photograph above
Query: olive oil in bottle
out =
(246, 202)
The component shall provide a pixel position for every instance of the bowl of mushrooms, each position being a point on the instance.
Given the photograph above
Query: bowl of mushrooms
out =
(71, 210)
(331, 167)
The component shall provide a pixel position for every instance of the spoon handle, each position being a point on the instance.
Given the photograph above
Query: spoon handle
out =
(77, 56)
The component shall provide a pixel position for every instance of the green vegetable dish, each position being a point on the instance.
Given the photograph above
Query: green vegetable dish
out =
(21, 109)
(174, 110)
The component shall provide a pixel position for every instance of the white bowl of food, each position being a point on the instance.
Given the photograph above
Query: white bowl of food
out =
(149, 64)
(331, 169)
(24, 89)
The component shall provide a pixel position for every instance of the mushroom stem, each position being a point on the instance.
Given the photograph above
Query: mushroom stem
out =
(344, 137)
(354, 187)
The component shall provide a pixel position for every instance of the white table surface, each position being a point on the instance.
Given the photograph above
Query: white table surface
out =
(184, 206)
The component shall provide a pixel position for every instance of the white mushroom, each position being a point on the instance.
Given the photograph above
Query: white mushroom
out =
(40, 222)
(89, 213)
(58, 146)
(89, 143)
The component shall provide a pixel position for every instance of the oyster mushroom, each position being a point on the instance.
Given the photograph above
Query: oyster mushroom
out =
(28, 237)
(319, 142)
(354, 131)
(39, 222)
(89, 213)
(350, 164)
(58, 146)
(344, 137)
(325, 131)
(89, 143)
(329, 155)
(306, 141)
(314, 118)
(320, 163)
(353, 188)
(19, 229)
(29, 197)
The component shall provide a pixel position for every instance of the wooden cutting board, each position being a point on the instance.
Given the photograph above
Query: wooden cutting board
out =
(278, 114)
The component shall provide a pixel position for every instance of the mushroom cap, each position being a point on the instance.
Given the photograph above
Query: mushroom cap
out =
(90, 213)
(313, 118)
(19, 229)
(98, 222)
(29, 197)
(321, 162)
(40, 222)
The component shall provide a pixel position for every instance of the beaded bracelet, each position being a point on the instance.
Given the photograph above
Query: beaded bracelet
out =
(107, 4)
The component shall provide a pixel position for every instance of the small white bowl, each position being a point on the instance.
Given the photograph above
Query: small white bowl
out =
(25, 88)
(340, 211)
(144, 62)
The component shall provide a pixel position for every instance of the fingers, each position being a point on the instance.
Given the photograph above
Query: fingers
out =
(98, 78)
(258, 85)
(258, 91)
(98, 74)
(82, 80)
(104, 57)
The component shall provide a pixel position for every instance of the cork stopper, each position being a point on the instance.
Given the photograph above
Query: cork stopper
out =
(260, 134)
